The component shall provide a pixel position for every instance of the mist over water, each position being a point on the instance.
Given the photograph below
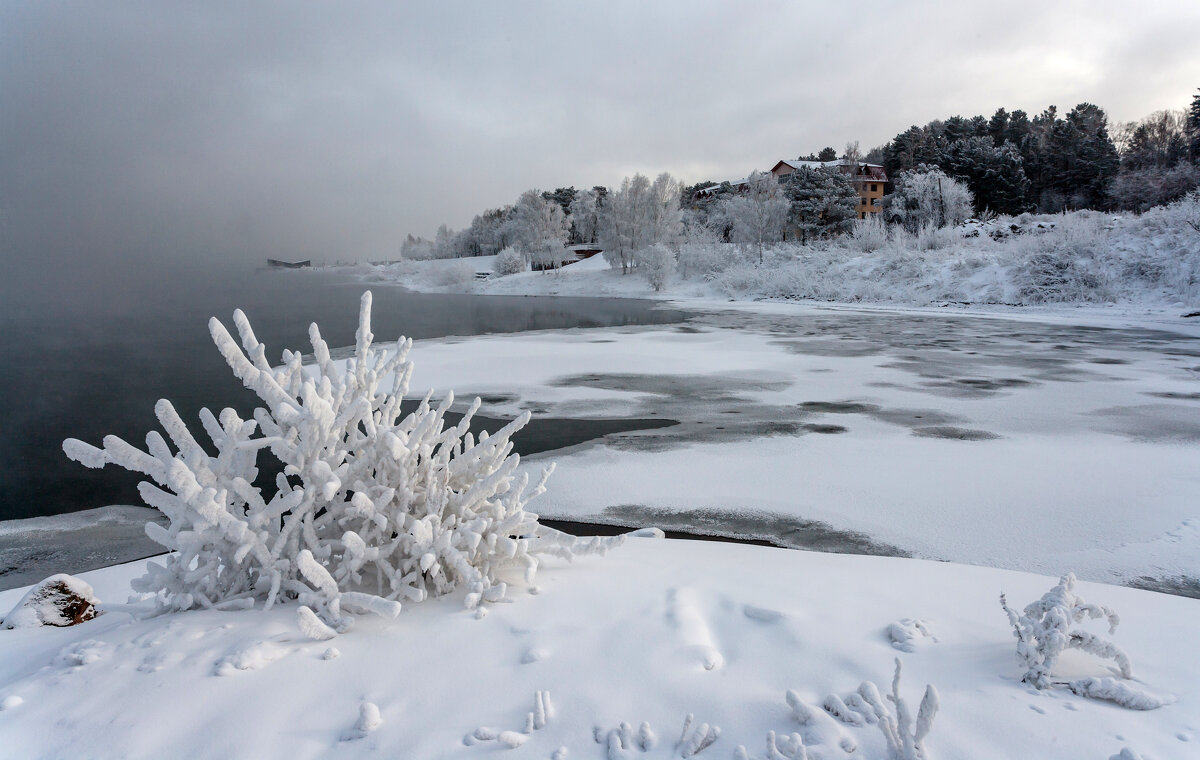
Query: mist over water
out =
(88, 352)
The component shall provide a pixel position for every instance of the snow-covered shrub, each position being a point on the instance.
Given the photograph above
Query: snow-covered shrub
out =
(508, 261)
(371, 506)
(1057, 275)
(868, 235)
(926, 195)
(1049, 627)
(657, 265)
(904, 736)
(705, 260)
(933, 238)
(454, 274)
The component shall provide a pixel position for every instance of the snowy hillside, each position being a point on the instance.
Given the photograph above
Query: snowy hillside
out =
(656, 631)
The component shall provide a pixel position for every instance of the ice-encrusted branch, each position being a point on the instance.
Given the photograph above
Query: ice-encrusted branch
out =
(372, 506)
(1047, 628)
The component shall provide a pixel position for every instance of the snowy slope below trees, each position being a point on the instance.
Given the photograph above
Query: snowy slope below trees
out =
(654, 632)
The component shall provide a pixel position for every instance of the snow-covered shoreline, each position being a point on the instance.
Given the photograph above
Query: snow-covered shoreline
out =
(1129, 266)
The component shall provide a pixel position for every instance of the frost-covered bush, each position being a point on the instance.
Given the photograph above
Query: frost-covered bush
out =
(1082, 256)
(904, 736)
(1047, 628)
(508, 261)
(868, 235)
(371, 506)
(933, 238)
(705, 260)
(926, 195)
(657, 265)
(1050, 626)
(454, 274)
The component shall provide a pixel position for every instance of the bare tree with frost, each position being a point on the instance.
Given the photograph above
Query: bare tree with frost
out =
(638, 215)
(925, 196)
(1050, 626)
(658, 265)
(371, 507)
(585, 209)
(758, 214)
(538, 228)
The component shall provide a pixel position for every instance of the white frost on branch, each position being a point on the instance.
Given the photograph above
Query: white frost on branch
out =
(1047, 628)
(372, 506)
(904, 735)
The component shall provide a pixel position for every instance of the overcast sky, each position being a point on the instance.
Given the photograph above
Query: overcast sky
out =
(330, 130)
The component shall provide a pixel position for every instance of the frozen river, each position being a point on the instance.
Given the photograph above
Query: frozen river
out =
(1024, 443)
(1010, 442)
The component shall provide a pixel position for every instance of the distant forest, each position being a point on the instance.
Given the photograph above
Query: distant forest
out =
(1048, 163)
(1011, 163)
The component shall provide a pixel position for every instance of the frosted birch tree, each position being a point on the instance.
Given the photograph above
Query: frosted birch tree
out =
(758, 213)
(638, 215)
(585, 209)
(538, 228)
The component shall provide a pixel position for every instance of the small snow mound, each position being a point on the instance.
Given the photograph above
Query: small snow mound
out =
(8, 703)
(312, 626)
(332, 653)
(1126, 754)
(368, 718)
(512, 739)
(647, 533)
(683, 612)
(1122, 693)
(907, 634)
(761, 614)
(253, 657)
(82, 653)
(59, 601)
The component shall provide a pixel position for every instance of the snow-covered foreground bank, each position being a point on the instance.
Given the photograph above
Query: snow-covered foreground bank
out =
(1032, 444)
(653, 632)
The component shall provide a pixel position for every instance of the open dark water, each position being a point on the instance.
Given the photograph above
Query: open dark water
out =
(86, 366)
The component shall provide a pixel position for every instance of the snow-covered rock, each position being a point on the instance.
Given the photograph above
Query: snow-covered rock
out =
(59, 601)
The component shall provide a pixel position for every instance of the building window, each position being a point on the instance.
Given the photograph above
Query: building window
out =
(874, 187)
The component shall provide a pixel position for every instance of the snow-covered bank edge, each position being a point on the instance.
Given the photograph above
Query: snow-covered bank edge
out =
(593, 278)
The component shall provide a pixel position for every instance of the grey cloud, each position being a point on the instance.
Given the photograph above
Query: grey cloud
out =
(330, 131)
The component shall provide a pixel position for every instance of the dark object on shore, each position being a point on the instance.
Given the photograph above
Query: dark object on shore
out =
(289, 264)
(59, 601)
(1192, 314)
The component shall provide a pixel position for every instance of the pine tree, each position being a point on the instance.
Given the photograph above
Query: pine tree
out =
(823, 203)
(1193, 129)
(1090, 158)
(998, 127)
(995, 175)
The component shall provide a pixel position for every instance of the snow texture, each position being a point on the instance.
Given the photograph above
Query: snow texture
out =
(436, 675)
(372, 506)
